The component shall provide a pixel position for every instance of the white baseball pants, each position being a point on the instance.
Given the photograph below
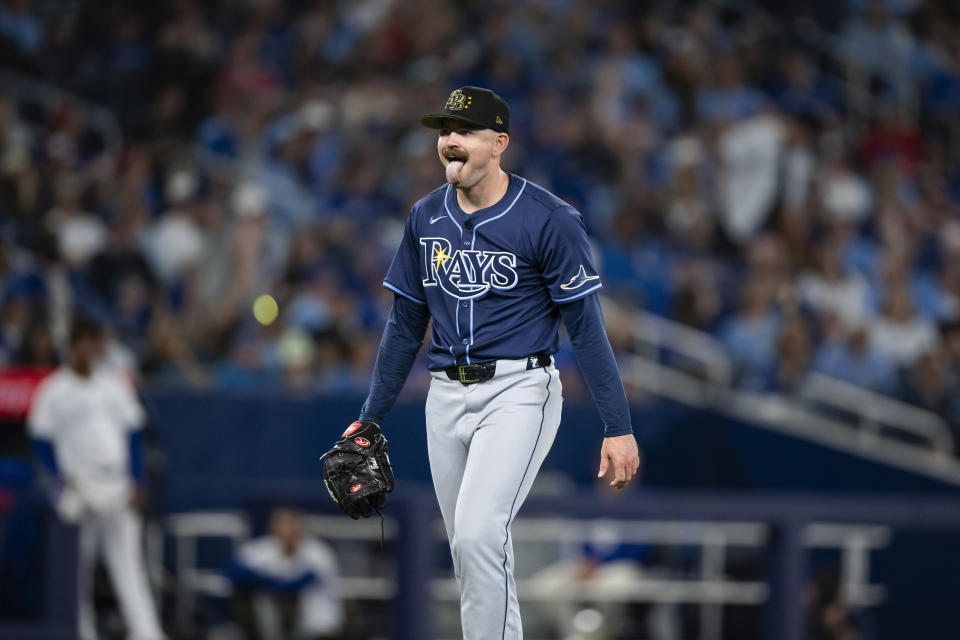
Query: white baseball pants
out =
(117, 535)
(486, 443)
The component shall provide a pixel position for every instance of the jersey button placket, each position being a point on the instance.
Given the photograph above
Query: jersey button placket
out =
(464, 321)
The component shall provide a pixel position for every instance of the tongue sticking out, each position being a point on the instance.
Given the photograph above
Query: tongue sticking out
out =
(453, 171)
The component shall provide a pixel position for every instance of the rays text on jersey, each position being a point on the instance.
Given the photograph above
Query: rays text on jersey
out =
(466, 274)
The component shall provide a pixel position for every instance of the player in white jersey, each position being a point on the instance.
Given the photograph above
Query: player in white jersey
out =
(85, 423)
(286, 583)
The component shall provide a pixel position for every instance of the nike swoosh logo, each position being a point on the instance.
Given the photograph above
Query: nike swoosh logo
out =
(578, 280)
(432, 220)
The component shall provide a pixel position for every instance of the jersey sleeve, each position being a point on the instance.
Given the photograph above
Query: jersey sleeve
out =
(131, 412)
(403, 276)
(567, 262)
(42, 417)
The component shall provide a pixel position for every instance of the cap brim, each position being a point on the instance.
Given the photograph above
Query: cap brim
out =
(435, 121)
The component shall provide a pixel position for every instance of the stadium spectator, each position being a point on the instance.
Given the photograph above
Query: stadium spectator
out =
(285, 583)
(121, 285)
(847, 354)
(37, 348)
(800, 90)
(845, 196)
(899, 332)
(728, 98)
(750, 155)
(830, 288)
(174, 243)
(750, 335)
(168, 359)
(793, 357)
(80, 234)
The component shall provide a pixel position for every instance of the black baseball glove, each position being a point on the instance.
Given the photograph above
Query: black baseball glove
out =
(357, 470)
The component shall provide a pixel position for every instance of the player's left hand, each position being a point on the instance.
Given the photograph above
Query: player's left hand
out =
(621, 455)
(357, 470)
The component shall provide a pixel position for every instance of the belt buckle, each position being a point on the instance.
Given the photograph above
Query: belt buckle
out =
(461, 373)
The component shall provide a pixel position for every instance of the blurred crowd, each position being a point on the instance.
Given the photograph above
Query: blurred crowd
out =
(784, 176)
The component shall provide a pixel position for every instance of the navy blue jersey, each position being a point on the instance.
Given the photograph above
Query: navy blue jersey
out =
(492, 279)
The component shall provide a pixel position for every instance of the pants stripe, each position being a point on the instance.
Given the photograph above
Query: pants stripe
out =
(506, 529)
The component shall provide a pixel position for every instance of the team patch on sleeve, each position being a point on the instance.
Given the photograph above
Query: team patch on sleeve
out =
(579, 279)
(567, 261)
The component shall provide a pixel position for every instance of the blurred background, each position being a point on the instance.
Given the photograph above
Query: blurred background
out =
(772, 190)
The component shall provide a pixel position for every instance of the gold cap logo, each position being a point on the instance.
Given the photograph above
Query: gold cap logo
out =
(458, 101)
(499, 121)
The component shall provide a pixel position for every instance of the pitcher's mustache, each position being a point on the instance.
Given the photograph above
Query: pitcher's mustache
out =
(454, 154)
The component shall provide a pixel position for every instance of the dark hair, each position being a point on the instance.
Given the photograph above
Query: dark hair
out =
(84, 328)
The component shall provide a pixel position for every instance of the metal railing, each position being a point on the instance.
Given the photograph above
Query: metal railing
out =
(189, 579)
(709, 587)
(785, 527)
(830, 412)
(49, 96)
(873, 411)
(694, 351)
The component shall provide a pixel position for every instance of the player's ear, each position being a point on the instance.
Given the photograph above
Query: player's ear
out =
(500, 143)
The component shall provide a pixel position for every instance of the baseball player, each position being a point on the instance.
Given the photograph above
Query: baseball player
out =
(85, 422)
(496, 261)
(285, 583)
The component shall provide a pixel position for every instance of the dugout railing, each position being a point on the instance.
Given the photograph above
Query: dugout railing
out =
(782, 529)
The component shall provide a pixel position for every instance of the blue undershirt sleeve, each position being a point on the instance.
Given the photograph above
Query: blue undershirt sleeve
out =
(137, 470)
(43, 451)
(402, 338)
(584, 321)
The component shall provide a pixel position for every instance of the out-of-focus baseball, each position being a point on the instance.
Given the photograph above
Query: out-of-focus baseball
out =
(265, 309)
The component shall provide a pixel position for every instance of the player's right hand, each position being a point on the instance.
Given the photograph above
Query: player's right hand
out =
(621, 455)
